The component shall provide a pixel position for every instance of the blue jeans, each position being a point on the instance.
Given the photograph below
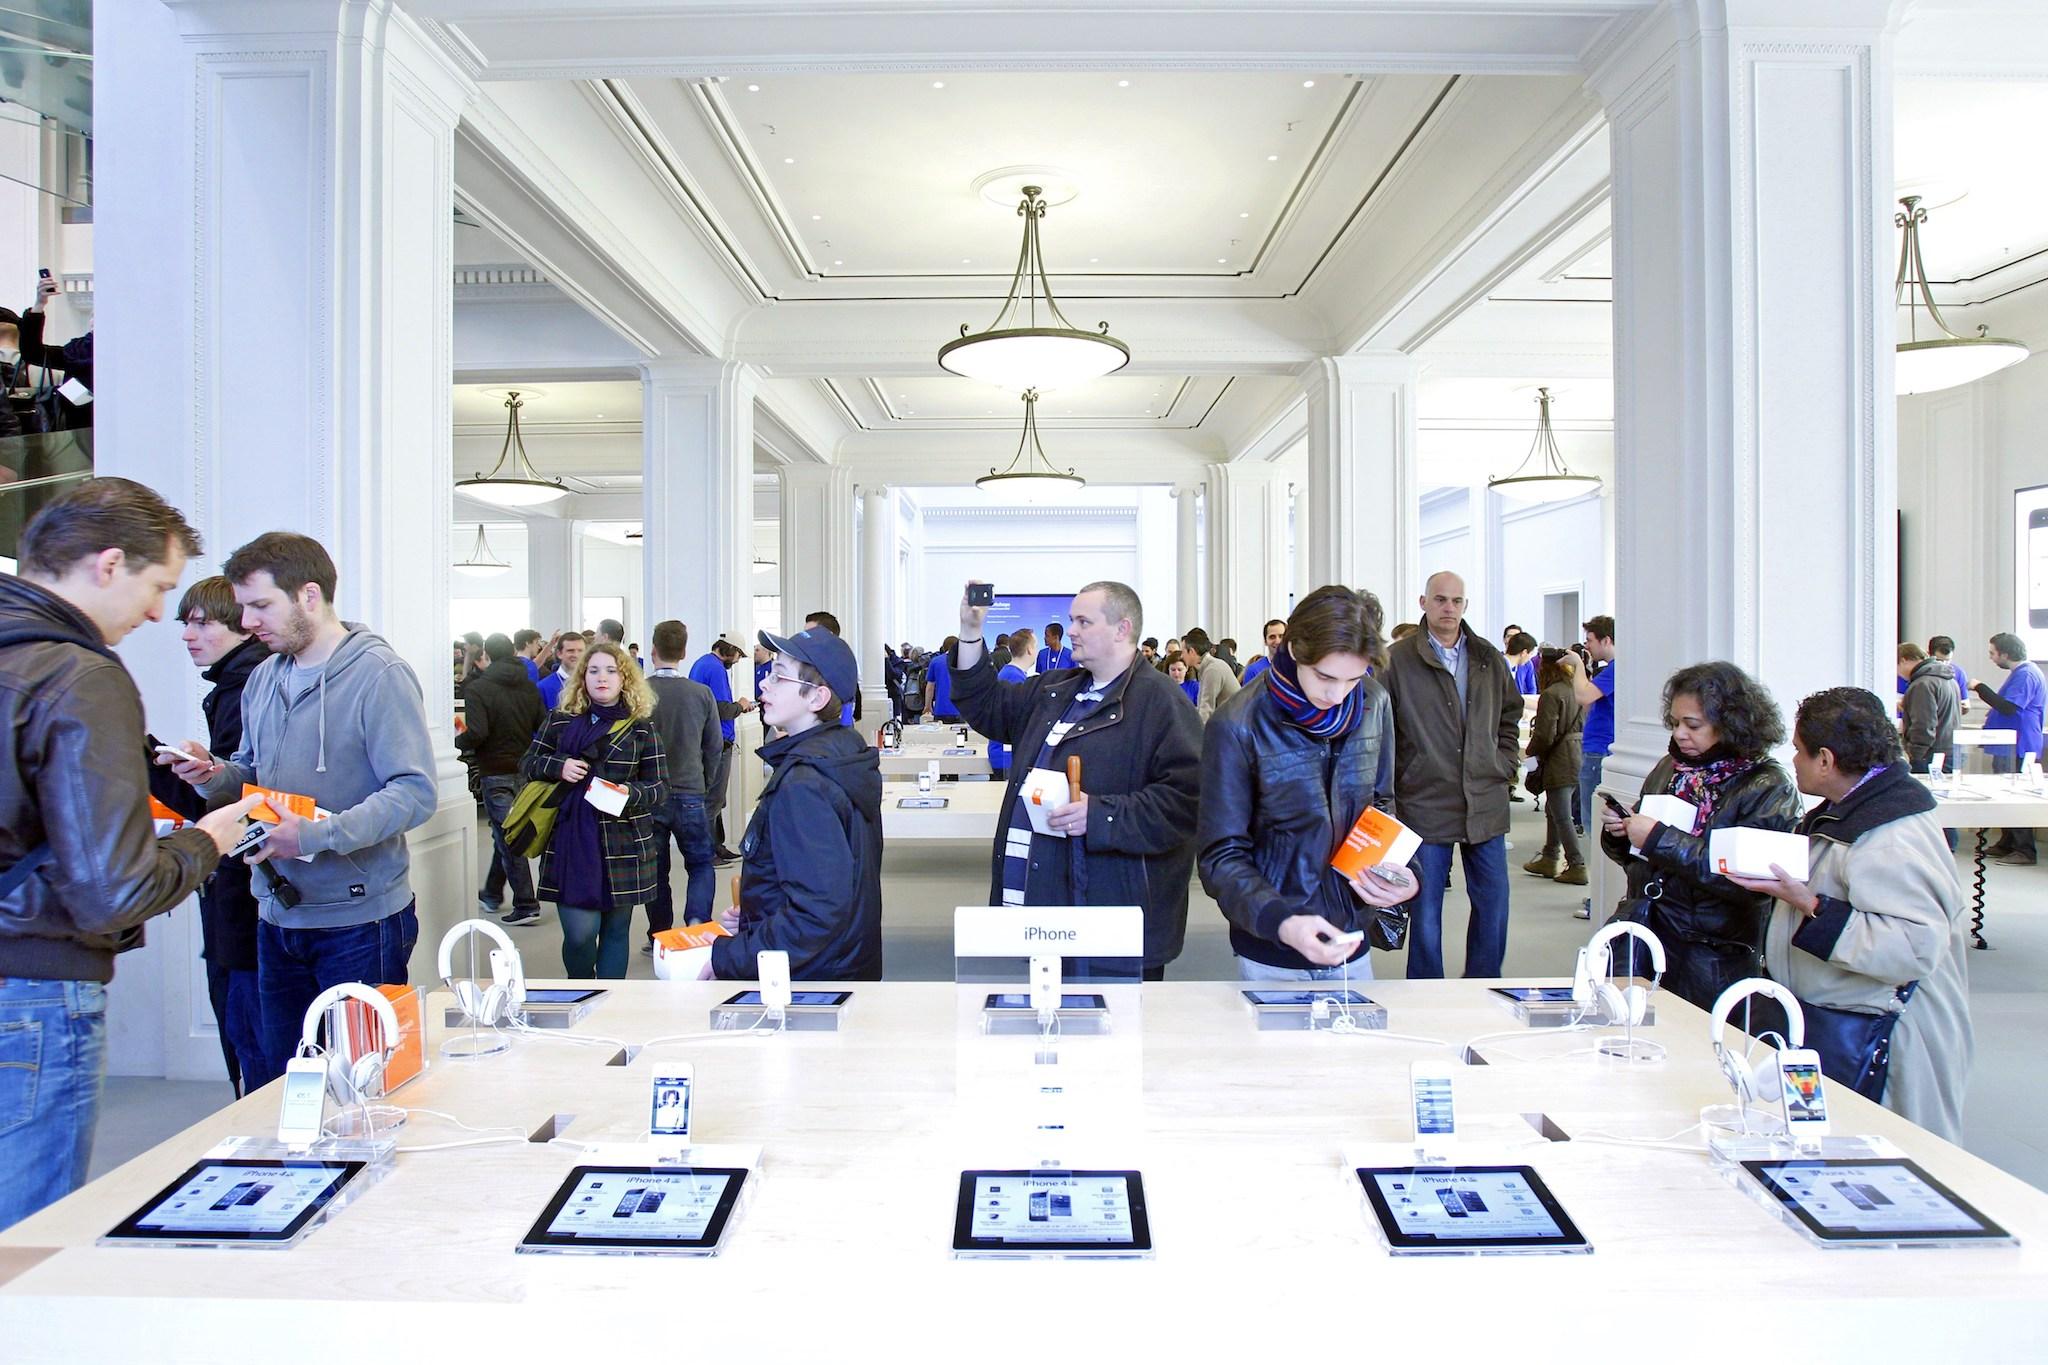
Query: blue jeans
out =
(294, 965)
(685, 817)
(235, 1012)
(1486, 933)
(53, 1037)
(594, 942)
(499, 792)
(1589, 782)
(1358, 969)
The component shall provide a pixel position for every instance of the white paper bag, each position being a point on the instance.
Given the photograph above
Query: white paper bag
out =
(608, 797)
(1043, 791)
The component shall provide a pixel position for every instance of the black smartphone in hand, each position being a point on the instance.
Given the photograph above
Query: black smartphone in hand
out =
(981, 594)
(1620, 811)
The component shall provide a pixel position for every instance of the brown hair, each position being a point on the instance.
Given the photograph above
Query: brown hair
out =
(1335, 620)
(1911, 652)
(291, 560)
(214, 599)
(105, 514)
(633, 688)
(671, 640)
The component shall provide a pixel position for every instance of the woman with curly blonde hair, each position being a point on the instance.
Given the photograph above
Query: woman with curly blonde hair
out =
(600, 859)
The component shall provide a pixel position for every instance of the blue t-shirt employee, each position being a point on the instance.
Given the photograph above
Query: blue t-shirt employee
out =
(2017, 705)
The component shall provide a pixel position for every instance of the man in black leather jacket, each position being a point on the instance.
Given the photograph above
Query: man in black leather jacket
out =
(1140, 744)
(75, 833)
(1288, 764)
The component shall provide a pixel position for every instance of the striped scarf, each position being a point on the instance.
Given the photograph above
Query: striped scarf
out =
(1283, 685)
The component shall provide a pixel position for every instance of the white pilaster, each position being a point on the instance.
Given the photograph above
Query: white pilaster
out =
(697, 497)
(1188, 567)
(274, 271)
(1247, 550)
(877, 581)
(554, 575)
(818, 549)
(1754, 447)
(1360, 509)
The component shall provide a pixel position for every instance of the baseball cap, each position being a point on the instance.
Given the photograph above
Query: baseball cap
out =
(824, 651)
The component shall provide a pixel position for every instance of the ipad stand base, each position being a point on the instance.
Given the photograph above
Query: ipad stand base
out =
(796, 1019)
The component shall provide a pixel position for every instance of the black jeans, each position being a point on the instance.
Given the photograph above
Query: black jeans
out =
(499, 792)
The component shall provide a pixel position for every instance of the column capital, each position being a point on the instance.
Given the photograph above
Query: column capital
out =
(440, 67)
(1617, 66)
(1363, 367)
(700, 372)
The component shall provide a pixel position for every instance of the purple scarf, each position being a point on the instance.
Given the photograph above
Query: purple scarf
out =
(577, 844)
(1700, 780)
(1283, 685)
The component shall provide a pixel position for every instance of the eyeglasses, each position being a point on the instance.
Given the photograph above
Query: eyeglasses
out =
(777, 675)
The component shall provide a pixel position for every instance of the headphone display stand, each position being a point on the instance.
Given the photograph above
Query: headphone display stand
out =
(1629, 1048)
(477, 1041)
(1731, 1149)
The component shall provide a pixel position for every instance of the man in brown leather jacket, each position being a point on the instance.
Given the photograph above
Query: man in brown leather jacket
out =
(80, 865)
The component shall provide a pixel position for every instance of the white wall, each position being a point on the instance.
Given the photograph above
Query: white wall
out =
(1541, 548)
(612, 570)
(1448, 542)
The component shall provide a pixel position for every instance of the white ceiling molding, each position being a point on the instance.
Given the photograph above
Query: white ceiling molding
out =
(586, 39)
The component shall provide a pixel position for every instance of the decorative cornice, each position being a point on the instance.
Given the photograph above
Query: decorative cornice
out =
(1013, 513)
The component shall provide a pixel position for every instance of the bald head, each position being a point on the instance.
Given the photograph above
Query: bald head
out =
(1443, 605)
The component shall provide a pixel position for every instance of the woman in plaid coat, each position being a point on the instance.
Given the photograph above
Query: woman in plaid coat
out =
(600, 860)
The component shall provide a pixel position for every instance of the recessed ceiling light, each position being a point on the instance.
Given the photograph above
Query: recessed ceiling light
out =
(1122, 84)
(1308, 85)
(1094, 260)
(817, 217)
(1274, 157)
(839, 263)
(967, 260)
(938, 85)
(755, 88)
(1222, 260)
(600, 414)
(1244, 215)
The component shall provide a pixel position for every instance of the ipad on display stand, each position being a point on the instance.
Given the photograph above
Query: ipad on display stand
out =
(1467, 1210)
(639, 1211)
(263, 1203)
(1051, 1213)
(1870, 1202)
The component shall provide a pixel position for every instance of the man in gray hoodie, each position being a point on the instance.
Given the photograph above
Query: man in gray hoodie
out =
(335, 715)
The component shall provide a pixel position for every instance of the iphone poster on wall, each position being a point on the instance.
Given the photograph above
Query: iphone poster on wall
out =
(2030, 568)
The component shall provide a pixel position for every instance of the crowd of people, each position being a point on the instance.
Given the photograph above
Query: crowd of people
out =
(1192, 764)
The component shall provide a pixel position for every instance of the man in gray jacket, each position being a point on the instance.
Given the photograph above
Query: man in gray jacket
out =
(692, 742)
(1218, 684)
(1457, 746)
(335, 715)
(1929, 707)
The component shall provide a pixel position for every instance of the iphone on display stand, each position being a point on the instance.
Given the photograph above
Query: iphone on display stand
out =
(668, 1113)
(1430, 1100)
(2037, 568)
(1805, 1097)
(303, 1112)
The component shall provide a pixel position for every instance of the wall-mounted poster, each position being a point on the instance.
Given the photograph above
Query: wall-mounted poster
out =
(2030, 568)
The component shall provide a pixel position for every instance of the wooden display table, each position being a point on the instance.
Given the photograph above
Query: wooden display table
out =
(970, 813)
(844, 1250)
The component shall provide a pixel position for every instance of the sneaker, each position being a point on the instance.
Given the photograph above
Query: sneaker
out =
(2017, 860)
(725, 856)
(1585, 910)
(519, 919)
(486, 906)
(1543, 865)
(647, 948)
(1573, 875)
(1999, 849)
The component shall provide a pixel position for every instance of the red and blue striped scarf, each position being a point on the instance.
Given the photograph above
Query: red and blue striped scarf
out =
(1283, 685)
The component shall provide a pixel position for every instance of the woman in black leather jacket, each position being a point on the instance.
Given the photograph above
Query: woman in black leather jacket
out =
(1723, 724)
(1287, 765)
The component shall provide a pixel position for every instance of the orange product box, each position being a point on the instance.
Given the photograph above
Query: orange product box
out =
(1377, 838)
(366, 1034)
(266, 809)
(684, 937)
(165, 818)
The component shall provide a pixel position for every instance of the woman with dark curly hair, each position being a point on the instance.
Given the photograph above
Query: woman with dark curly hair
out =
(1723, 724)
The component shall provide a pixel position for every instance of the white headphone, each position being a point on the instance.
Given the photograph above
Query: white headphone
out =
(1591, 988)
(1758, 1084)
(351, 1079)
(499, 1002)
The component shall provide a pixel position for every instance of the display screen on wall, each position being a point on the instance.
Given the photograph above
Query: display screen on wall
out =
(2030, 567)
(1030, 610)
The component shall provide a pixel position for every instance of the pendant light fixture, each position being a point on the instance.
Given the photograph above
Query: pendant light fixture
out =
(1944, 359)
(519, 486)
(480, 562)
(1031, 345)
(1550, 479)
(1037, 478)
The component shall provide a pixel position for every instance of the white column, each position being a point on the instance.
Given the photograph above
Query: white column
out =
(818, 550)
(554, 575)
(1361, 508)
(1753, 329)
(1247, 550)
(274, 269)
(1188, 570)
(697, 497)
(877, 581)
